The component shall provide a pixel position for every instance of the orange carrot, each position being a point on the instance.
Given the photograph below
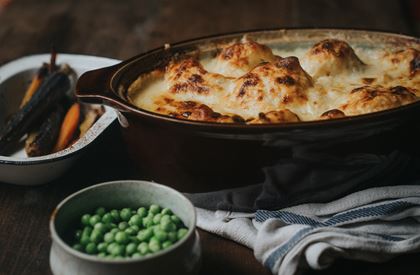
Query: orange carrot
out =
(36, 82)
(68, 127)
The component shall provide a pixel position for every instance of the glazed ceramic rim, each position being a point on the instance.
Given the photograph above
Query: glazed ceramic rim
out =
(108, 117)
(57, 239)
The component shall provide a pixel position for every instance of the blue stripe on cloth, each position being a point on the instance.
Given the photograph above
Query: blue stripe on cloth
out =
(285, 216)
(283, 249)
(372, 211)
(390, 238)
(291, 218)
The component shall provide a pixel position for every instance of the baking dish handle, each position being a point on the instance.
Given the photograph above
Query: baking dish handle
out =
(95, 87)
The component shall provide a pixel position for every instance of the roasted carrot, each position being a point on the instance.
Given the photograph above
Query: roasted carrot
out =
(68, 127)
(52, 90)
(41, 141)
(39, 77)
(36, 82)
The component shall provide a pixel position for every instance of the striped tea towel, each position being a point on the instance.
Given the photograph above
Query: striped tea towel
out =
(372, 225)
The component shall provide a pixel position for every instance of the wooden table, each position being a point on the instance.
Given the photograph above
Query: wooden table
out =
(121, 29)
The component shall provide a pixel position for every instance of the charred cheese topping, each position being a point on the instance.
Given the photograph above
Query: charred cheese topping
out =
(247, 82)
(239, 58)
(331, 57)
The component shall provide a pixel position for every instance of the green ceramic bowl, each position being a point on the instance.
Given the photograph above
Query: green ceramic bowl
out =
(181, 258)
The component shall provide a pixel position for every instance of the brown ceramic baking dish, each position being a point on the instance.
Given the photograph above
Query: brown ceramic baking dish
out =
(196, 156)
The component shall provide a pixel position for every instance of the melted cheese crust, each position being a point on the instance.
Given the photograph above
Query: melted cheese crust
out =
(247, 82)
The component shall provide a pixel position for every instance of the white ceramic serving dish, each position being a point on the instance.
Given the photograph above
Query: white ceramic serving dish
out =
(20, 169)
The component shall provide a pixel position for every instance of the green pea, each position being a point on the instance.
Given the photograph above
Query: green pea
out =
(142, 212)
(154, 209)
(100, 227)
(135, 220)
(176, 220)
(130, 231)
(172, 236)
(143, 248)
(115, 215)
(96, 236)
(154, 245)
(136, 255)
(109, 237)
(85, 238)
(181, 233)
(87, 230)
(102, 247)
(166, 211)
(78, 247)
(94, 220)
(117, 250)
(166, 244)
(167, 226)
(147, 222)
(121, 237)
(123, 225)
(160, 235)
(114, 230)
(136, 228)
(85, 219)
(107, 218)
(125, 214)
(145, 234)
(156, 218)
(130, 249)
(100, 211)
(165, 218)
(90, 248)
(110, 247)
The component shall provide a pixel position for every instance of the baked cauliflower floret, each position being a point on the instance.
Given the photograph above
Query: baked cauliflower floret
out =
(271, 86)
(239, 58)
(403, 63)
(275, 117)
(331, 57)
(187, 80)
(368, 99)
(188, 76)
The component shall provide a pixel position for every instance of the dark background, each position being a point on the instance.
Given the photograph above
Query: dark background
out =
(121, 29)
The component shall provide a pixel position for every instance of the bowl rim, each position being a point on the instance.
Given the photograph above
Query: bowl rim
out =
(139, 112)
(25, 63)
(91, 258)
